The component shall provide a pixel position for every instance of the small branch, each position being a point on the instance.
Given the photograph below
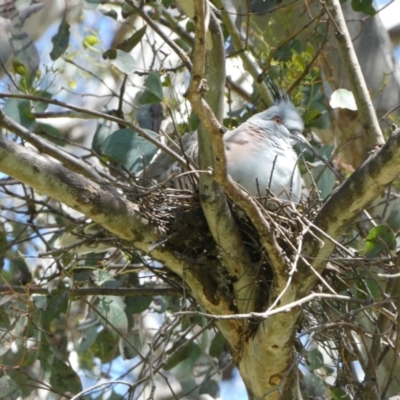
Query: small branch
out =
(284, 309)
(359, 87)
(130, 292)
(71, 162)
(179, 52)
(209, 121)
(113, 212)
(98, 114)
(345, 204)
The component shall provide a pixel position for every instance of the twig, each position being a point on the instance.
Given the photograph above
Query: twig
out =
(98, 114)
(180, 53)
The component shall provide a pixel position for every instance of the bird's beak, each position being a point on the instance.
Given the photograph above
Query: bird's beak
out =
(299, 137)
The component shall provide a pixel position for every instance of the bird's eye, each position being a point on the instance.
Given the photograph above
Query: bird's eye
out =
(278, 120)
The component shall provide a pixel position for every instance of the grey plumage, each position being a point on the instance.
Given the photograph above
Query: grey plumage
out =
(259, 153)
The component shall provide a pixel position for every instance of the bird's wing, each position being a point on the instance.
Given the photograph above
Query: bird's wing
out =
(164, 167)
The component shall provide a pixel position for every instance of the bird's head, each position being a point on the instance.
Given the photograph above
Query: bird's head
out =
(282, 112)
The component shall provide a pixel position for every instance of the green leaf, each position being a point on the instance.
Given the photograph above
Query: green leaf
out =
(138, 304)
(111, 309)
(6, 338)
(41, 106)
(101, 277)
(284, 53)
(127, 10)
(312, 386)
(50, 133)
(20, 111)
(60, 40)
(40, 302)
(110, 13)
(103, 131)
(56, 305)
(105, 346)
(121, 60)
(343, 98)
(126, 147)
(365, 6)
(192, 351)
(210, 387)
(130, 43)
(89, 336)
(131, 344)
(153, 92)
(9, 389)
(218, 344)
(63, 378)
(380, 238)
(316, 359)
(338, 393)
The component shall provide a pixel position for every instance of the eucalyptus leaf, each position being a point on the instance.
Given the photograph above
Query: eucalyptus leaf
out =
(130, 43)
(121, 60)
(9, 389)
(343, 98)
(127, 148)
(112, 314)
(365, 6)
(60, 40)
(380, 238)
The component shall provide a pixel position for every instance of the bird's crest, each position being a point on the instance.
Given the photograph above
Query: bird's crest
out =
(280, 96)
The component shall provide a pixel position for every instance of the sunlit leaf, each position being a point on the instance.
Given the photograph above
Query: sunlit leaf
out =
(112, 314)
(121, 60)
(343, 98)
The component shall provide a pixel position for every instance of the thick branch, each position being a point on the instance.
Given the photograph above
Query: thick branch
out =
(208, 47)
(345, 204)
(71, 162)
(113, 212)
(96, 114)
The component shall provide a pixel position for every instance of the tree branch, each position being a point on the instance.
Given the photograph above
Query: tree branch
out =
(113, 212)
(365, 108)
(71, 162)
(98, 114)
(131, 292)
(345, 204)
